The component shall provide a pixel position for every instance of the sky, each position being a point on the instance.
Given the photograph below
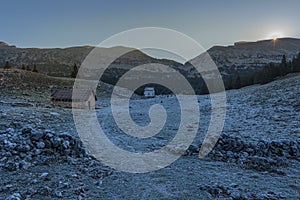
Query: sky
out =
(64, 23)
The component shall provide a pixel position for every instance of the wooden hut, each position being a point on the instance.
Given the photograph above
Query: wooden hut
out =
(73, 98)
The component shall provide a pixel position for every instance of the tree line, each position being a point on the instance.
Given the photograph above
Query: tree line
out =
(265, 74)
(8, 65)
(272, 70)
(234, 80)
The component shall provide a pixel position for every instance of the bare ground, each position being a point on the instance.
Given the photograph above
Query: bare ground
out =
(267, 112)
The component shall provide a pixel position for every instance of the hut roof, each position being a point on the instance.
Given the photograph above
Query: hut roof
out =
(149, 89)
(70, 94)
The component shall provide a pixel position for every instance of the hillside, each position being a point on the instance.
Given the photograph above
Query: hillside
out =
(56, 62)
(246, 59)
(238, 64)
(21, 79)
(245, 55)
(60, 61)
(24, 85)
(257, 156)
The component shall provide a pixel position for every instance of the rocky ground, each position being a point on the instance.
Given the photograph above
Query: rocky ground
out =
(257, 156)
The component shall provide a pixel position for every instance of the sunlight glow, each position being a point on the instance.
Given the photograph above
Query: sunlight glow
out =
(275, 35)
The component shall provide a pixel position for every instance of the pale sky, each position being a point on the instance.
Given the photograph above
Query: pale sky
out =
(63, 23)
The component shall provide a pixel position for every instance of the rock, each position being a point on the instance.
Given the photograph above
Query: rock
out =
(216, 190)
(46, 191)
(29, 147)
(74, 175)
(71, 160)
(37, 152)
(56, 142)
(23, 148)
(22, 154)
(230, 154)
(40, 145)
(48, 144)
(236, 195)
(270, 196)
(243, 157)
(48, 134)
(250, 151)
(66, 144)
(24, 165)
(238, 145)
(11, 166)
(10, 145)
(16, 125)
(262, 156)
(294, 151)
(262, 148)
(22, 104)
(58, 193)
(27, 130)
(192, 149)
(7, 154)
(66, 136)
(44, 175)
(14, 196)
(10, 130)
(261, 163)
(63, 185)
(4, 159)
(36, 135)
(54, 114)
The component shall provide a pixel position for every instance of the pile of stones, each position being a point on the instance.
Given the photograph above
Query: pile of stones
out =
(28, 147)
(234, 193)
(261, 156)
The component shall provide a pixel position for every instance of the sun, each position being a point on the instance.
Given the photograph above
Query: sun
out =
(275, 35)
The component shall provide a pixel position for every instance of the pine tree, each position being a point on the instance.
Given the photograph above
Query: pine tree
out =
(267, 74)
(34, 69)
(7, 65)
(23, 67)
(296, 64)
(75, 71)
(283, 60)
(27, 68)
(283, 69)
(238, 81)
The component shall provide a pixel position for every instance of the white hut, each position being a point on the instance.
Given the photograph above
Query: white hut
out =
(149, 92)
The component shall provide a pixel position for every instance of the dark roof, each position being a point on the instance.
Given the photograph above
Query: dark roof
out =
(149, 89)
(66, 94)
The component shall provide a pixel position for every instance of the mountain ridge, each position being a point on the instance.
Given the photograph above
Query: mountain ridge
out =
(242, 60)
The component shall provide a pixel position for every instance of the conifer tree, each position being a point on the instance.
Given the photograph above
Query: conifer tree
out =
(75, 71)
(7, 65)
(34, 69)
